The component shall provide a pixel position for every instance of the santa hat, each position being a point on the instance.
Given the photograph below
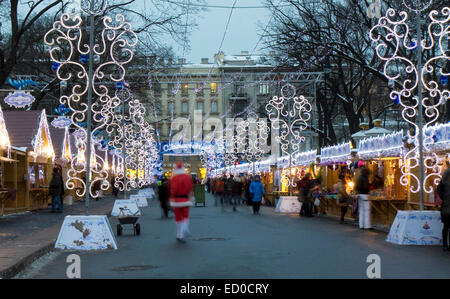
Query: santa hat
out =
(179, 168)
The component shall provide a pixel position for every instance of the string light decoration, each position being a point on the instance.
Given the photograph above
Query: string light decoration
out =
(389, 145)
(42, 142)
(252, 138)
(113, 51)
(289, 114)
(420, 94)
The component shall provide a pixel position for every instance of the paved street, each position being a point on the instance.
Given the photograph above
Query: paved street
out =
(241, 245)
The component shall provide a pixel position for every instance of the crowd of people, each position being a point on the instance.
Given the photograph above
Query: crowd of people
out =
(177, 196)
(236, 190)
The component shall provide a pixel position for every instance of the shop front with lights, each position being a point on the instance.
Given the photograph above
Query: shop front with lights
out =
(33, 156)
(382, 155)
(335, 160)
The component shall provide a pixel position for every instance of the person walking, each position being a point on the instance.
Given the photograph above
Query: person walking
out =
(444, 193)
(305, 186)
(362, 188)
(257, 191)
(228, 191)
(62, 184)
(180, 187)
(247, 195)
(219, 190)
(163, 196)
(236, 192)
(56, 188)
(343, 199)
(114, 189)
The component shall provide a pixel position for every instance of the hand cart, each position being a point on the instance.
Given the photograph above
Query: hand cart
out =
(128, 218)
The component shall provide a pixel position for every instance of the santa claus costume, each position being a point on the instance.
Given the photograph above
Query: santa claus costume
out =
(180, 199)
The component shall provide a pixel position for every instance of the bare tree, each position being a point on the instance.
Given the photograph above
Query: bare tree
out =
(338, 30)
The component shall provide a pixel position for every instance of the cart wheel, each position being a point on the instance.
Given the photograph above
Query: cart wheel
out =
(119, 229)
(137, 228)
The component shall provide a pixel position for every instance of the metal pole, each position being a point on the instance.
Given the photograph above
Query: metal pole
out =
(88, 128)
(289, 147)
(420, 108)
(123, 152)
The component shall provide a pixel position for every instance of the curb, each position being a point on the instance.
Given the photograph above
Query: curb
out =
(15, 269)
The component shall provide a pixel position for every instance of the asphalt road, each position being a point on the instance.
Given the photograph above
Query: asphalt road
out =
(242, 245)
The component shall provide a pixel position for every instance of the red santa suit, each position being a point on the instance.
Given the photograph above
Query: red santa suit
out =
(180, 187)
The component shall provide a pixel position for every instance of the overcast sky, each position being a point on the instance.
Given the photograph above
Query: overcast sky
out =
(242, 34)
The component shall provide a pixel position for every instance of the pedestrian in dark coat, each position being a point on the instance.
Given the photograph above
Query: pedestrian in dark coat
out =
(56, 188)
(444, 194)
(363, 188)
(114, 189)
(163, 196)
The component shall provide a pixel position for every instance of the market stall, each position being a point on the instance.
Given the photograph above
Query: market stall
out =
(335, 160)
(29, 132)
(383, 157)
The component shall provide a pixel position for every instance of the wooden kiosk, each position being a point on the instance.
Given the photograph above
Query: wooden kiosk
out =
(34, 153)
(383, 157)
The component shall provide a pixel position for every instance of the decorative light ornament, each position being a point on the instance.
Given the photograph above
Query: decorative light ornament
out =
(42, 142)
(116, 37)
(19, 99)
(66, 154)
(61, 122)
(289, 114)
(252, 138)
(420, 92)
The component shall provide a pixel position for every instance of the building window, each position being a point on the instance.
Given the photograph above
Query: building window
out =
(172, 158)
(213, 87)
(240, 106)
(214, 107)
(170, 87)
(158, 107)
(184, 89)
(157, 88)
(200, 105)
(199, 89)
(170, 108)
(184, 107)
(238, 89)
(264, 88)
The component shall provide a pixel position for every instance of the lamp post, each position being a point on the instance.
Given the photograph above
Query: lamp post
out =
(420, 94)
(65, 41)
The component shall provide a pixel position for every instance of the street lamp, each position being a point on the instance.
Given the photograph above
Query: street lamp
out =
(421, 84)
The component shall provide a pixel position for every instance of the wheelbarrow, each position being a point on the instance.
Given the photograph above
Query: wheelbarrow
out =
(128, 218)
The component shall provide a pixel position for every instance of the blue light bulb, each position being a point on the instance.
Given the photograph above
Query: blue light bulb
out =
(84, 58)
(55, 66)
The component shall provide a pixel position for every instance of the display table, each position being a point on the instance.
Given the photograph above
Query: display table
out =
(385, 210)
(416, 228)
